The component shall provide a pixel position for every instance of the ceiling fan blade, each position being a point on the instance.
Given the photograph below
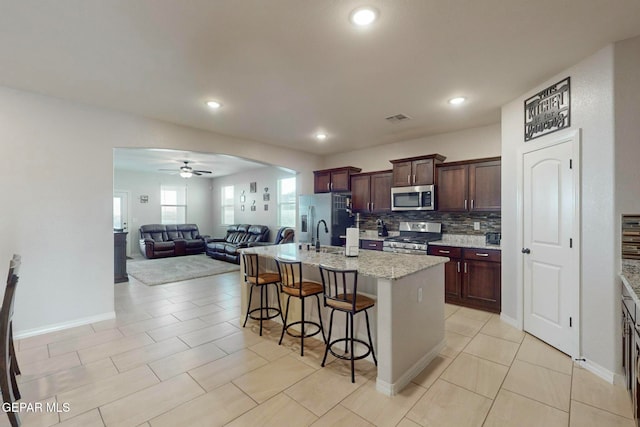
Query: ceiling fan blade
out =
(167, 170)
(197, 173)
(202, 171)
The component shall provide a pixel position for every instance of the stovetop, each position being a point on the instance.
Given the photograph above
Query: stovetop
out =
(420, 238)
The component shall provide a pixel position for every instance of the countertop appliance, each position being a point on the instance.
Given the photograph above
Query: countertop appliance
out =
(382, 228)
(493, 238)
(331, 207)
(414, 237)
(415, 198)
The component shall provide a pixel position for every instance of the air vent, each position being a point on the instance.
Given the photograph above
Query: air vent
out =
(397, 118)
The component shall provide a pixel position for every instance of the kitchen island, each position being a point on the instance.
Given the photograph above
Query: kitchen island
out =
(408, 318)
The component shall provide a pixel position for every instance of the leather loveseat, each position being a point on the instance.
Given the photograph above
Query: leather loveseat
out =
(284, 235)
(159, 240)
(238, 236)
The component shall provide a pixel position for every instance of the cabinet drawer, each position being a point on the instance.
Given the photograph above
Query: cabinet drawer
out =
(482, 254)
(447, 251)
(374, 245)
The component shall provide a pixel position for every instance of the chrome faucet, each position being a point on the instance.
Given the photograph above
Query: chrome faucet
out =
(326, 230)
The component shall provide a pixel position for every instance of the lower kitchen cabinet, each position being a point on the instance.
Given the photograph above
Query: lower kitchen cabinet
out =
(472, 276)
(373, 245)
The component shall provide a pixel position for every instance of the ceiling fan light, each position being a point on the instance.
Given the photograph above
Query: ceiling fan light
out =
(214, 105)
(186, 174)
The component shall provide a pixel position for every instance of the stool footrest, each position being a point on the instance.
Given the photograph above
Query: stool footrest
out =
(303, 334)
(343, 356)
(261, 317)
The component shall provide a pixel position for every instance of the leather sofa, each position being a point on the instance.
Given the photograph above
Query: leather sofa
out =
(159, 240)
(284, 235)
(238, 236)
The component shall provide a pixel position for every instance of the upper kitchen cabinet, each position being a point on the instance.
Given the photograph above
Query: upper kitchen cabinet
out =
(371, 192)
(415, 170)
(337, 179)
(469, 186)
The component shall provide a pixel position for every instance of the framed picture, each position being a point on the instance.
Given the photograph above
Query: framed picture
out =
(242, 208)
(253, 187)
(266, 207)
(266, 197)
(253, 208)
(243, 198)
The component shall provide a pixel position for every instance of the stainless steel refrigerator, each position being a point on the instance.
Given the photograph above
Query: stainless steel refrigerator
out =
(330, 207)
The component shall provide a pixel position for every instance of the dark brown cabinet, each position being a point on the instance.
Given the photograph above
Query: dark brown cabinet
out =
(373, 245)
(337, 179)
(120, 257)
(469, 186)
(472, 277)
(415, 170)
(371, 192)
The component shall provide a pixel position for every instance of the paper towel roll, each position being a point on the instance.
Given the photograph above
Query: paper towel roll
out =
(353, 242)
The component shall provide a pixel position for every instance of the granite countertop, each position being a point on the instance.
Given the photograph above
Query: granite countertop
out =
(630, 276)
(464, 241)
(379, 264)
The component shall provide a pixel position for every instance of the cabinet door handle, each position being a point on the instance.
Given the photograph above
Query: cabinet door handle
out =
(471, 204)
(414, 178)
(477, 254)
(368, 203)
(465, 268)
(372, 245)
(331, 185)
(443, 251)
(371, 205)
(465, 204)
(409, 179)
(458, 266)
(328, 187)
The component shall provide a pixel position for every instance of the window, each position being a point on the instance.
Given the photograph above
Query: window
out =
(226, 196)
(287, 202)
(173, 204)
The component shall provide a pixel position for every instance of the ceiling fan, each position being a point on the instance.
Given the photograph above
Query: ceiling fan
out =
(186, 171)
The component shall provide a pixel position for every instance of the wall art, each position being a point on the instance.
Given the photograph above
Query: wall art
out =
(548, 110)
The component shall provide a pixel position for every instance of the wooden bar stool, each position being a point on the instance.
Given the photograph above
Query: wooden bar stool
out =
(8, 363)
(341, 293)
(295, 286)
(255, 278)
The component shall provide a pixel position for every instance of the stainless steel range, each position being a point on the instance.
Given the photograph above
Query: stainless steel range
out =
(414, 237)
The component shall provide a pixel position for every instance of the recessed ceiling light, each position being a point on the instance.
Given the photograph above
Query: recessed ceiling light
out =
(363, 16)
(321, 136)
(214, 105)
(457, 101)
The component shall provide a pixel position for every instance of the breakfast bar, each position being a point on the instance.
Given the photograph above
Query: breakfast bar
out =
(408, 320)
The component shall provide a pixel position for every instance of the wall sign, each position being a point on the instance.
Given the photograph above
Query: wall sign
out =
(548, 110)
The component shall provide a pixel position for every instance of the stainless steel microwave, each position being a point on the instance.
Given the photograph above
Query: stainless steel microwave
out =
(416, 198)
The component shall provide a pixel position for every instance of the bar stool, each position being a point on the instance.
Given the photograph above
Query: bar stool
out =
(255, 278)
(295, 286)
(341, 293)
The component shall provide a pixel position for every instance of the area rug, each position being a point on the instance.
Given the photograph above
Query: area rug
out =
(174, 269)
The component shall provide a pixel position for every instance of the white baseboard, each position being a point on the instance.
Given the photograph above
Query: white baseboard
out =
(64, 325)
(391, 389)
(598, 370)
(510, 320)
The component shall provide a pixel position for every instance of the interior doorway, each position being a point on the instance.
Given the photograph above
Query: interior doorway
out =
(550, 235)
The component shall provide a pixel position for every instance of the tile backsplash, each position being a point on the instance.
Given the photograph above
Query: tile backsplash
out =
(454, 223)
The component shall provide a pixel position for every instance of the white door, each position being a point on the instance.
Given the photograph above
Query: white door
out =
(550, 244)
(121, 213)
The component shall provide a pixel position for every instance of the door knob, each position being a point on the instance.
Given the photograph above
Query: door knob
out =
(526, 251)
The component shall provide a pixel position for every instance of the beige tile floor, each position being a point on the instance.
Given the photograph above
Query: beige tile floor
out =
(177, 355)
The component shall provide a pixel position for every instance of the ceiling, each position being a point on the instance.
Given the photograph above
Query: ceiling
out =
(286, 69)
(152, 160)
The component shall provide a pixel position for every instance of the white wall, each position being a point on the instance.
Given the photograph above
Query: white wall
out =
(592, 112)
(141, 183)
(462, 145)
(627, 106)
(264, 177)
(56, 181)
